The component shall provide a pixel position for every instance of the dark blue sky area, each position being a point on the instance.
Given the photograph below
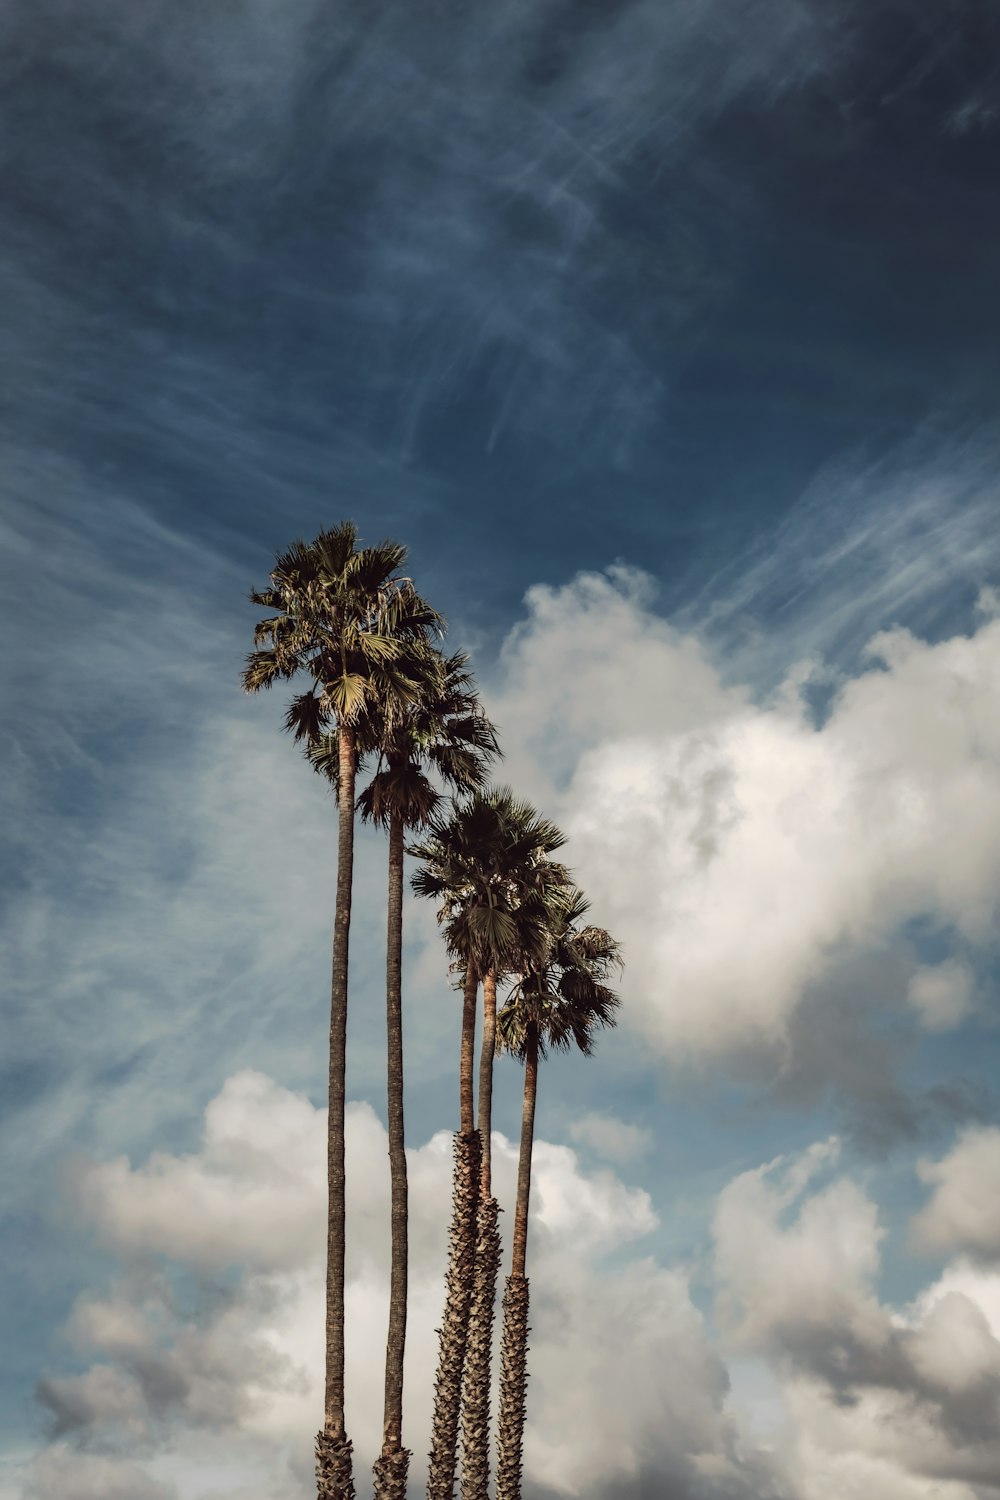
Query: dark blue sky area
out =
(531, 291)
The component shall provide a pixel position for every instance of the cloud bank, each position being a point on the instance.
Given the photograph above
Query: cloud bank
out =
(741, 849)
(200, 1361)
(203, 1358)
(898, 1403)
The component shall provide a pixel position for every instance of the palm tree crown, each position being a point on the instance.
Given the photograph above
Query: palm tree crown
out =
(442, 730)
(346, 617)
(561, 996)
(483, 862)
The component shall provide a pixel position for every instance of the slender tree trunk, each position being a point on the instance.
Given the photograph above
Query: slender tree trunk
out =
(392, 1466)
(479, 1350)
(466, 1103)
(454, 1330)
(333, 1447)
(520, 1249)
(514, 1344)
(487, 1054)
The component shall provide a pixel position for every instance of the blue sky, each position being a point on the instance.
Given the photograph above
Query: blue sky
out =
(667, 336)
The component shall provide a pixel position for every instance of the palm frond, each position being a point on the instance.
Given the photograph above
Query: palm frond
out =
(263, 670)
(323, 754)
(306, 719)
(347, 695)
(266, 598)
(335, 547)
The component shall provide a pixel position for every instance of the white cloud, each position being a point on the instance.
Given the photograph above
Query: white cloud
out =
(963, 1279)
(216, 1389)
(198, 1390)
(738, 850)
(616, 1140)
(898, 1404)
(65, 1472)
(953, 1346)
(251, 1195)
(782, 1279)
(964, 1209)
(942, 994)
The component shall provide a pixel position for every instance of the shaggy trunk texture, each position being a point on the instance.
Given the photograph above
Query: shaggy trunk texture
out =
(513, 1384)
(333, 1467)
(455, 1322)
(514, 1343)
(478, 1356)
(390, 1475)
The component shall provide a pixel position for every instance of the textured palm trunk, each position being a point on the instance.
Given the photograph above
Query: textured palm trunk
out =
(514, 1344)
(392, 1466)
(513, 1384)
(479, 1349)
(333, 1447)
(479, 1355)
(455, 1320)
(454, 1330)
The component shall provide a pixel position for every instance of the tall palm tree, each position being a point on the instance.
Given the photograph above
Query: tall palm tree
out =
(558, 1001)
(446, 732)
(481, 863)
(345, 617)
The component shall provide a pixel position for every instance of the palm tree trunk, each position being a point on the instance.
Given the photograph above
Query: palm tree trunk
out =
(466, 1104)
(487, 1054)
(479, 1350)
(392, 1466)
(455, 1320)
(520, 1249)
(479, 1356)
(333, 1447)
(454, 1330)
(514, 1344)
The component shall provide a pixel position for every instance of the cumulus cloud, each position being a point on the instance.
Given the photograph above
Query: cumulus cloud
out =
(207, 1347)
(616, 1140)
(942, 994)
(789, 1286)
(895, 1402)
(963, 1213)
(66, 1472)
(740, 850)
(208, 1209)
(205, 1350)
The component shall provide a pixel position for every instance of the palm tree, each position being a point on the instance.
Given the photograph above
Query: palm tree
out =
(446, 731)
(559, 1000)
(347, 618)
(481, 862)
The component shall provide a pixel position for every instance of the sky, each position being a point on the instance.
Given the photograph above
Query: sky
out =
(666, 334)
